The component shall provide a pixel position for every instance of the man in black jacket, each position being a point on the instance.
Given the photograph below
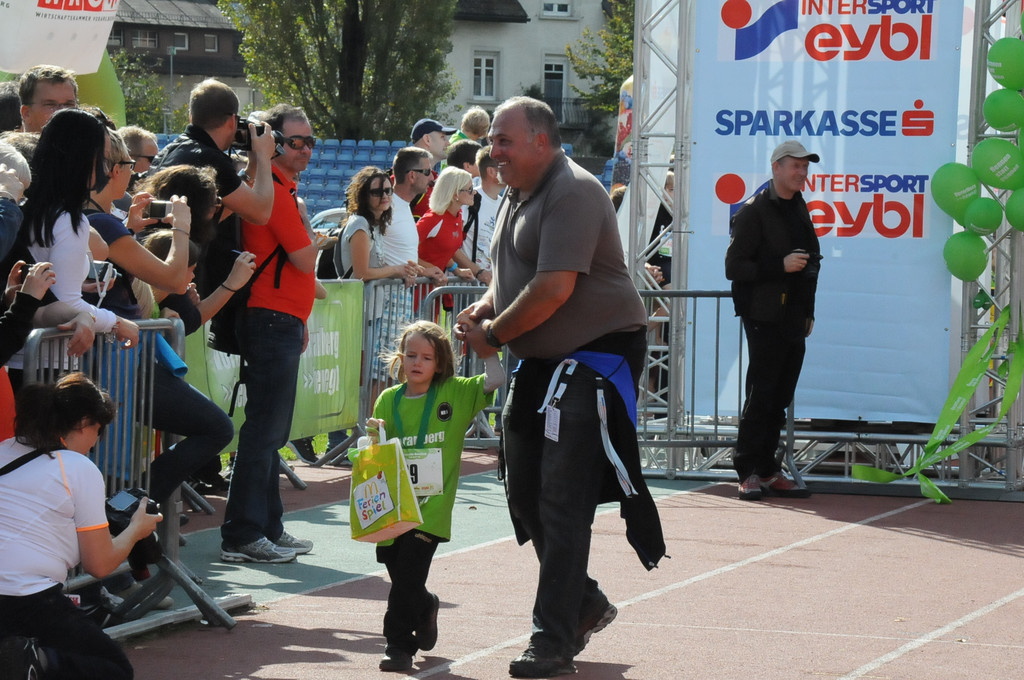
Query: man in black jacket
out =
(773, 262)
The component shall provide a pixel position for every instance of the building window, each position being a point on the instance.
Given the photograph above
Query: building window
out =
(181, 42)
(116, 38)
(145, 39)
(211, 42)
(556, 9)
(554, 86)
(485, 67)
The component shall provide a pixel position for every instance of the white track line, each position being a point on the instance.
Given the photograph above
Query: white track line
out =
(937, 633)
(688, 582)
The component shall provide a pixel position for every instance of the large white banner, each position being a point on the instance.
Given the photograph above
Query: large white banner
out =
(870, 86)
(68, 33)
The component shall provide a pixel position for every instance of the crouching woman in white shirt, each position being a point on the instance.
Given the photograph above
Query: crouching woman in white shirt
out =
(52, 517)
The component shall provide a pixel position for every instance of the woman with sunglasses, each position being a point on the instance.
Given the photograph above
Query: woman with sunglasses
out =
(440, 228)
(52, 517)
(130, 258)
(361, 252)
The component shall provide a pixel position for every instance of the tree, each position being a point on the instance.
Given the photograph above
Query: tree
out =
(145, 97)
(359, 68)
(605, 58)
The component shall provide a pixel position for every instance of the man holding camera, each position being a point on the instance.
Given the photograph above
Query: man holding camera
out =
(272, 336)
(773, 262)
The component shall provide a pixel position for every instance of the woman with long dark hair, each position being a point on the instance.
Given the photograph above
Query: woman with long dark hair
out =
(68, 163)
(52, 517)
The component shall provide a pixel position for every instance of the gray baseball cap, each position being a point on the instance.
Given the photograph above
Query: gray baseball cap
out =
(793, 148)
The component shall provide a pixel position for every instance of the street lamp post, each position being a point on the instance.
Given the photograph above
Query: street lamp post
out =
(171, 51)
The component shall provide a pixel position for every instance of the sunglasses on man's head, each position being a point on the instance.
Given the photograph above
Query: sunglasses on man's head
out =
(297, 142)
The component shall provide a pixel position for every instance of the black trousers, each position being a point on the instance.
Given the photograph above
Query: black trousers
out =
(75, 646)
(408, 561)
(776, 355)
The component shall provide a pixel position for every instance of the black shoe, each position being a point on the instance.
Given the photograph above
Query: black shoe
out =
(594, 620)
(426, 634)
(395, 660)
(531, 665)
(304, 449)
(19, 659)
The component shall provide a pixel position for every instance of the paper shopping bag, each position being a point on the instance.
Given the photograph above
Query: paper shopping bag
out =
(383, 504)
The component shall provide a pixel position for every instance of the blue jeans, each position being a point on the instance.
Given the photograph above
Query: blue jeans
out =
(553, 491)
(181, 409)
(272, 342)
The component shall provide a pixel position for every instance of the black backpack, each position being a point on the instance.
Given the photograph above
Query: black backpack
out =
(217, 262)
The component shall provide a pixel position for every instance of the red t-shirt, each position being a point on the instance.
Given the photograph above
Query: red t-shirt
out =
(297, 289)
(440, 237)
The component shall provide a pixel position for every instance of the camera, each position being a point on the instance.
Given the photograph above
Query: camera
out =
(157, 210)
(813, 266)
(242, 137)
(126, 501)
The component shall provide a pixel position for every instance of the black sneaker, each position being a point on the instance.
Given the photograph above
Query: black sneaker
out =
(594, 620)
(304, 449)
(530, 664)
(19, 659)
(395, 660)
(426, 634)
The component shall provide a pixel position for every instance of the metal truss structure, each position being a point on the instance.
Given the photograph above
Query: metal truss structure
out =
(680, 443)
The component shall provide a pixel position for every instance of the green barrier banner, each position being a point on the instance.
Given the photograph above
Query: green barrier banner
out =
(327, 397)
(972, 372)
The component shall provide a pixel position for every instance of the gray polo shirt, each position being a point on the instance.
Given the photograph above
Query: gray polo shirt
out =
(568, 224)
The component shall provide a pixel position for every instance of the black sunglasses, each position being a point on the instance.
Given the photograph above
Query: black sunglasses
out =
(384, 191)
(423, 171)
(297, 142)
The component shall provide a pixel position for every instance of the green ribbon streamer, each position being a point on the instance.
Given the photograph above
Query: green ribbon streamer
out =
(967, 380)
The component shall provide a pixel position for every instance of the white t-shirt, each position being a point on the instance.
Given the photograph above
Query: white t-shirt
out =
(44, 504)
(401, 240)
(485, 231)
(70, 257)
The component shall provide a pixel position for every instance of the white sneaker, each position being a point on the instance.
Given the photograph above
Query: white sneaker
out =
(261, 550)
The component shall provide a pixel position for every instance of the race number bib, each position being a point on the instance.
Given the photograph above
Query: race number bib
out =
(426, 471)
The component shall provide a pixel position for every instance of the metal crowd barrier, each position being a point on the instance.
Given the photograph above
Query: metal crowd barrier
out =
(128, 444)
(686, 365)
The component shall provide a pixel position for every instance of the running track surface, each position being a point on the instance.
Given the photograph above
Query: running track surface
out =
(828, 587)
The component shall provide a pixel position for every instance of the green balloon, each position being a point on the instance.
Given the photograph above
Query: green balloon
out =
(1015, 210)
(998, 163)
(1004, 110)
(965, 255)
(983, 215)
(954, 186)
(1006, 63)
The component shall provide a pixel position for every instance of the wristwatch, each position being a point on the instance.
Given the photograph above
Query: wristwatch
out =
(489, 336)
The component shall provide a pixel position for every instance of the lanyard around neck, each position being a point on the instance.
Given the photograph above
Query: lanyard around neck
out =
(424, 421)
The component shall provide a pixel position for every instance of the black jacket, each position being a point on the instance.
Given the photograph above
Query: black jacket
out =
(764, 231)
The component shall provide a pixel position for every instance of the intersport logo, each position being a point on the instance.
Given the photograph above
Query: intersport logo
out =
(847, 206)
(78, 5)
(826, 30)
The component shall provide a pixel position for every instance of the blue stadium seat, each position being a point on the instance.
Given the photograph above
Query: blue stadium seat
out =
(380, 156)
(331, 143)
(348, 144)
(398, 144)
(364, 144)
(362, 157)
(382, 144)
(567, 148)
(347, 155)
(330, 152)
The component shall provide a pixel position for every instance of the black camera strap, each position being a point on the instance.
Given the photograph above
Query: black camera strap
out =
(21, 460)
